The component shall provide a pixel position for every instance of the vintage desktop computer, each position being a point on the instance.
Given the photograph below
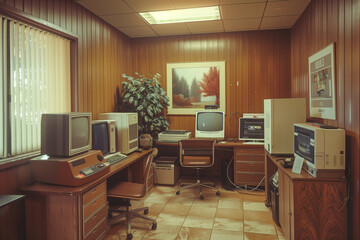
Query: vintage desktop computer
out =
(126, 125)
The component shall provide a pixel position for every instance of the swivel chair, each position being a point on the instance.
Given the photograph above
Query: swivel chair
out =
(198, 154)
(121, 194)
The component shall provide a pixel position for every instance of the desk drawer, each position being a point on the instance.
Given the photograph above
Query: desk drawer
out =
(99, 231)
(251, 167)
(250, 178)
(95, 219)
(250, 157)
(93, 206)
(250, 150)
(93, 193)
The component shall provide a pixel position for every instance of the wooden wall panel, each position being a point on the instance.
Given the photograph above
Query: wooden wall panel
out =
(257, 67)
(322, 23)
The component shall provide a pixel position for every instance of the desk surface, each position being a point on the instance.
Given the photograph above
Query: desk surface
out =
(43, 188)
(218, 144)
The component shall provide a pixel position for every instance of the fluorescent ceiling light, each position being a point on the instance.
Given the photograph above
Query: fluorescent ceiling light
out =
(182, 15)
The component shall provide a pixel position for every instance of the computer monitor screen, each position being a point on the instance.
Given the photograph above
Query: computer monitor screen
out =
(210, 124)
(251, 129)
(100, 137)
(65, 134)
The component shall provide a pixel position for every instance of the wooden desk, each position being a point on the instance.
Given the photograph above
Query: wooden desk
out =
(309, 208)
(61, 212)
(249, 167)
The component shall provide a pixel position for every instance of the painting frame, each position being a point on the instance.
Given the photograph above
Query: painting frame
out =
(179, 105)
(322, 92)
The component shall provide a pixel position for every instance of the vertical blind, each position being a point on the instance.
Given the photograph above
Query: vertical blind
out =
(36, 79)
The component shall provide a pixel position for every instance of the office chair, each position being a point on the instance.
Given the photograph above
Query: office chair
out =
(122, 192)
(197, 153)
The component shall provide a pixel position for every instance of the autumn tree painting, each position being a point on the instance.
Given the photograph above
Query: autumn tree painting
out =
(192, 86)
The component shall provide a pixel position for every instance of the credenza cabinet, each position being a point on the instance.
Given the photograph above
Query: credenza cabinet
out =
(310, 208)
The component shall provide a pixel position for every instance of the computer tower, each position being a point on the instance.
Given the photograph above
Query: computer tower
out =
(126, 125)
(279, 118)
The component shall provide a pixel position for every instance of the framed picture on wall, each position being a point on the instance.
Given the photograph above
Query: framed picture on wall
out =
(192, 86)
(322, 83)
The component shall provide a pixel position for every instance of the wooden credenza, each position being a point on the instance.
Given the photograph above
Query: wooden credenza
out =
(309, 208)
(249, 167)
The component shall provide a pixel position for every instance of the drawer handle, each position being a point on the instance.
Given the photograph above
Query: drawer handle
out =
(94, 202)
(94, 231)
(94, 190)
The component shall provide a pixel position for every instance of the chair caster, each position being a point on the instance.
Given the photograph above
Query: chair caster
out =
(177, 192)
(146, 211)
(218, 193)
(181, 184)
(129, 236)
(201, 197)
(213, 184)
(154, 226)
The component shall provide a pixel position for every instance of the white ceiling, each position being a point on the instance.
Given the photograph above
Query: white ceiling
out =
(236, 15)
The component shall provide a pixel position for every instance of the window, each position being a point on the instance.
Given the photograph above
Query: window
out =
(35, 72)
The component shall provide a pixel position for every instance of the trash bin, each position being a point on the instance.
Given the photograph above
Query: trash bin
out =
(274, 195)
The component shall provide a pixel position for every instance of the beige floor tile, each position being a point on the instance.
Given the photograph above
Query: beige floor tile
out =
(156, 198)
(224, 203)
(189, 233)
(228, 195)
(228, 224)
(167, 232)
(199, 222)
(255, 206)
(155, 209)
(181, 200)
(181, 210)
(202, 212)
(259, 227)
(217, 234)
(138, 228)
(170, 219)
(258, 236)
(206, 203)
(263, 216)
(230, 213)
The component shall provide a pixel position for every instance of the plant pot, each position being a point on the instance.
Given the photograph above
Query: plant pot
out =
(146, 141)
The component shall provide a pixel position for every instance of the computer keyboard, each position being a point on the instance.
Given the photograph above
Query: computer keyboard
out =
(115, 158)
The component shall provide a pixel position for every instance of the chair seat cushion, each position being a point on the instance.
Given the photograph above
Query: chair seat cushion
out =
(197, 161)
(128, 190)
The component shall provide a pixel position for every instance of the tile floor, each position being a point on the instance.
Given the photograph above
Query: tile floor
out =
(231, 215)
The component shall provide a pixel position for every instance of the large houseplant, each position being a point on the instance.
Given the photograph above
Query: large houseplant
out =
(145, 96)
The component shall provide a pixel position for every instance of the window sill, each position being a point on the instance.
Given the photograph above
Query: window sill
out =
(18, 160)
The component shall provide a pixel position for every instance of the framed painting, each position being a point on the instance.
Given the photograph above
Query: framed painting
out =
(322, 84)
(192, 86)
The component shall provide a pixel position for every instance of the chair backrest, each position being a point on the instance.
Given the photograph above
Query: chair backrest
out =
(197, 152)
(148, 165)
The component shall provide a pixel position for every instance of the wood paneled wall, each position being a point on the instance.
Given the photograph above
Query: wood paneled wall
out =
(324, 22)
(257, 67)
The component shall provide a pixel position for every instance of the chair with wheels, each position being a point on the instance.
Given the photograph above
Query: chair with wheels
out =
(197, 154)
(122, 193)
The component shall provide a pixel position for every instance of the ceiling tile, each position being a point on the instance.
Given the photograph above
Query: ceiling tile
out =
(194, 4)
(205, 27)
(239, 11)
(170, 29)
(240, 1)
(242, 24)
(278, 22)
(125, 20)
(149, 6)
(105, 7)
(135, 32)
(285, 8)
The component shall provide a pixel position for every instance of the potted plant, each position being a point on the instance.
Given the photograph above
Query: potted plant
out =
(146, 97)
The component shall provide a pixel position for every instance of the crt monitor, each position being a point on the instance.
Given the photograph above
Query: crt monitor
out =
(65, 134)
(100, 136)
(251, 129)
(210, 124)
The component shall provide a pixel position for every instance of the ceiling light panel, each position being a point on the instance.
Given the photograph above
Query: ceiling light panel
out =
(182, 15)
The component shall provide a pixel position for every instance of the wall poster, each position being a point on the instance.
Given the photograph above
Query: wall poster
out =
(191, 86)
(322, 84)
